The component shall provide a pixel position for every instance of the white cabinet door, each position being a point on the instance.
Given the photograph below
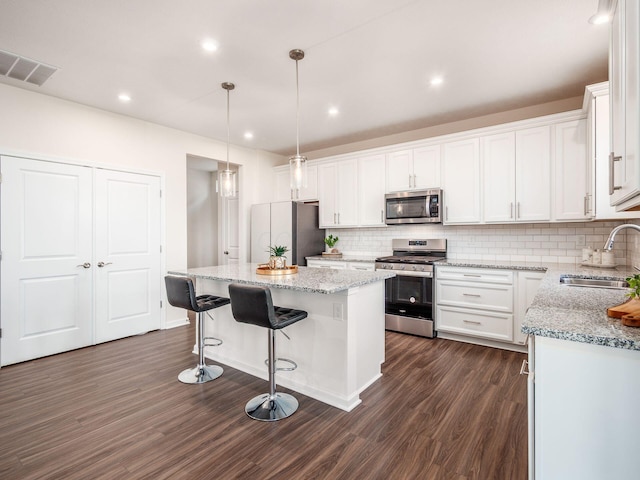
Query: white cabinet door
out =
(400, 171)
(127, 255)
(46, 304)
(527, 287)
(426, 167)
(572, 176)
(461, 180)
(282, 185)
(327, 194)
(499, 177)
(533, 174)
(347, 201)
(624, 74)
(371, 188)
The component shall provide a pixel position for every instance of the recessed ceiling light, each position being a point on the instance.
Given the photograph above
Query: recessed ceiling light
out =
(333, 111)
(209, 45)
(248, 135)
(125, 98)
(436, 81)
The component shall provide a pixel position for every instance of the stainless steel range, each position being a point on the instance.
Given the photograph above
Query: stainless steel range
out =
(409, 295)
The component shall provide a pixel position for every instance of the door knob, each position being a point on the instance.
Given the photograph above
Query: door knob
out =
(102, 264)
(84, 265)
(225, 252)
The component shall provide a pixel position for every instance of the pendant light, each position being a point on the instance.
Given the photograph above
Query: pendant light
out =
(227, 178)
(297, 163)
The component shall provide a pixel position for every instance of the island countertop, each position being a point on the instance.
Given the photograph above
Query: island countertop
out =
(314, 280)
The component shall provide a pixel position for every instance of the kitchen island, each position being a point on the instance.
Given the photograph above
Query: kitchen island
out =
(339, 347)
(584, 381)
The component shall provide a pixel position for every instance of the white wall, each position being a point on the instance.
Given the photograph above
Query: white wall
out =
(39, 126)
(202, 219)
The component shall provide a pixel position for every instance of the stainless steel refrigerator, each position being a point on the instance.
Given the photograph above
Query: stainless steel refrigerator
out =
(292, 224)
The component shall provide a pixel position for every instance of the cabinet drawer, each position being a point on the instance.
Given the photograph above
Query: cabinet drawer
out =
(327, 264)
(465, 321)
(362, 266)
(483, 275)
(498, 298)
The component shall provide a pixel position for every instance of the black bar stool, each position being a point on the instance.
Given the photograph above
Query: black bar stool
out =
(181, 293)
(253, 305)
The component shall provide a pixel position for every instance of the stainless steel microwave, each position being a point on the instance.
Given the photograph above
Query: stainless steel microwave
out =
(419, 206)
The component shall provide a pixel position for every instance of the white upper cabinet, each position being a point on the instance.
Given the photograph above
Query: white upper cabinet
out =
(533, 174)
(597, 105)
(624, 75)
(572, 172)
(371, 189)
(499, 176)
(338, 194)
(283, 190)
(415, 169)
(461, 181)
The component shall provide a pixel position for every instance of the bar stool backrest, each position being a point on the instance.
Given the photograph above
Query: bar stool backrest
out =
(181, 292)
(253, 305)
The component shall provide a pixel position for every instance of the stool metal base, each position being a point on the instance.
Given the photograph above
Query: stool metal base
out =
(200, 374)
(269, 408)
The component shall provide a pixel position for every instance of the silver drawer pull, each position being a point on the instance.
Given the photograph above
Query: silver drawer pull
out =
(470, 295)
(471, 275)
(524, 369)
(472, 322)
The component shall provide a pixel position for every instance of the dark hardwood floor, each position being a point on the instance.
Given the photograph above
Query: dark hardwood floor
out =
(442, 410)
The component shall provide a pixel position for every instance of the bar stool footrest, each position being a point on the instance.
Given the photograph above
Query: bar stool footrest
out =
(283, 369)
(205, 344)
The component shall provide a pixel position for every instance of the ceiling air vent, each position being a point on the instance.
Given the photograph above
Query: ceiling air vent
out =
(24, 69)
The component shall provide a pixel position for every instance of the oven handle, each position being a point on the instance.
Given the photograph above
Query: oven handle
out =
(404, 273)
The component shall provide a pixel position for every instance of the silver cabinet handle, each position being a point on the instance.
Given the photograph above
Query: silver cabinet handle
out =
(471, 275)
(471, 295)
(338, 218)
(612, 184)
(334, 218)
(511, 210)
(414, 180)
(472, 322)
(102, 264)
(518, 210)
(524, 368)
(84, 265)
(381, 216)
(586, 205)
(409, 180)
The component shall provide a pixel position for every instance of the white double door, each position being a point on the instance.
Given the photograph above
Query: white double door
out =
(80, 256)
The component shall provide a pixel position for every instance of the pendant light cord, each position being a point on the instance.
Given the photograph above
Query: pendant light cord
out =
(228, 130)
(297, 113)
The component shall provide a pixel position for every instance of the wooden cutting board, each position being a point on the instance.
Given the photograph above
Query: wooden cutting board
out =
(628, 312)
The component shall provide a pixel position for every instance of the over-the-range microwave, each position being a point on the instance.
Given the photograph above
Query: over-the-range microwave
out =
(417, 206)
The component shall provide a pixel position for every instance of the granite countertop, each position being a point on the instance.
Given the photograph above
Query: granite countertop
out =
(344, 258)
(315, 280)
(577, 314)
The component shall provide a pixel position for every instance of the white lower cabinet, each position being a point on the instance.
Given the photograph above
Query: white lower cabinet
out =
(583, 411)
(482, 304)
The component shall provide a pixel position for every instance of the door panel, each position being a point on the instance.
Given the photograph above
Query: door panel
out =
(128, 244)
(46, 237)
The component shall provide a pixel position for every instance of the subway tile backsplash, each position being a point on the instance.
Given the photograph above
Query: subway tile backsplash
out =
(552, 242)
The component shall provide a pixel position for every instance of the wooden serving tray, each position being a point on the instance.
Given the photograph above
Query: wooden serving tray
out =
(265, 270)
(332, 255)
(629, 309)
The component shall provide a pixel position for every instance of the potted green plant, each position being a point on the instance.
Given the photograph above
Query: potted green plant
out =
(330, 242)
(277, 258)
(634, 285)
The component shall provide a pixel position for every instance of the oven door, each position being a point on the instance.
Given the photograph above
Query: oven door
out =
(409, 295)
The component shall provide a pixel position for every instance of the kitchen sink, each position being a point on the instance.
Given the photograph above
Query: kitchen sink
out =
(593, 282)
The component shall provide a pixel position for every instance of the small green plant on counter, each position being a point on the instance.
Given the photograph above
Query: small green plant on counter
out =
(278, 250)
(634, 284)
(331, 241)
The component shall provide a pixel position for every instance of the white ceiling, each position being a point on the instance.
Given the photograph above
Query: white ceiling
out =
(372, 59)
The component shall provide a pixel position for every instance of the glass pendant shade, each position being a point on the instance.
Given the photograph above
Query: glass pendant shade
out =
(227, 177)
(298, 172)
(227, 182)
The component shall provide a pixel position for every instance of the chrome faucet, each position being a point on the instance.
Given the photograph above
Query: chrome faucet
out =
(608, 245)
